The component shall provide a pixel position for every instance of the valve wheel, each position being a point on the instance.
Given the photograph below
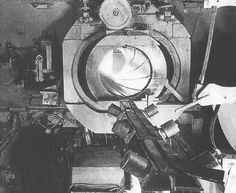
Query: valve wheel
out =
(48, 122)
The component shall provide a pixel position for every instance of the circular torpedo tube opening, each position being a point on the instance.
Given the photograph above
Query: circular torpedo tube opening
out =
(125, 72)
(120, 67)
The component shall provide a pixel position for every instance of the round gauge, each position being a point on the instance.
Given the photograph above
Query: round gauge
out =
(115, 14)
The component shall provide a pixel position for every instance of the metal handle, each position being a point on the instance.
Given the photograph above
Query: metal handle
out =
(185, 107)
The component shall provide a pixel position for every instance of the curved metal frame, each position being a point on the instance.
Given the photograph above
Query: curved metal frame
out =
(174, 57)
(154, 34)
(92, 104)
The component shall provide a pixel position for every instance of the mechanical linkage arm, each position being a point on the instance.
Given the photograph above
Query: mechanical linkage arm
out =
(159, 157)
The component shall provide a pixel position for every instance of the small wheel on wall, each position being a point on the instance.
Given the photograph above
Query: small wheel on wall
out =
(48, 121)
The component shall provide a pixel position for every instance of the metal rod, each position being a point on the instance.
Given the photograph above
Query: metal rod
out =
(208, 48)
(185, 107)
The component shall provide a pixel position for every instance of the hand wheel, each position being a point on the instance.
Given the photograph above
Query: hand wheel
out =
(48, 122)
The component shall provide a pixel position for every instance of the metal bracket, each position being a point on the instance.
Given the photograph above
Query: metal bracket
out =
(173, 91)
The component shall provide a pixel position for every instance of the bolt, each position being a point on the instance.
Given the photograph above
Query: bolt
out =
(129, 33)
(86, 20)
(116, 12)
(152, 43)
(47, 131)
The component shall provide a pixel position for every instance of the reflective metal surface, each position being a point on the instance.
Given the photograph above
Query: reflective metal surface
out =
(121, 66)
(125, 71)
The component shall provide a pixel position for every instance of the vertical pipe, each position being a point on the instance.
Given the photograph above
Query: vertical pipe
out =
(48, 56)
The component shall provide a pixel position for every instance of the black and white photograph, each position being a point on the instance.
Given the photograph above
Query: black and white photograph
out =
(123, 96)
